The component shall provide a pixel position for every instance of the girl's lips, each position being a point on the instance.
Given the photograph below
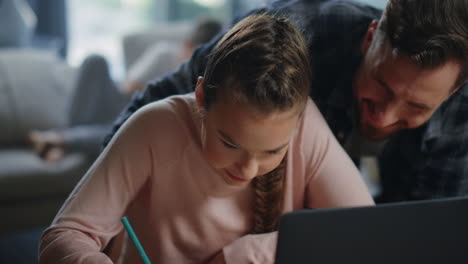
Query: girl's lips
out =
(235, 178)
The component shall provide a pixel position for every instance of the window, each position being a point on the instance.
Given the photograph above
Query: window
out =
(376, 3)
(191, 9)
(96, 27)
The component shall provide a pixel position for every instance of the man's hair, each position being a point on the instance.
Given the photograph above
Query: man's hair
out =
(430, 32)
(204, 31)
(263, 63)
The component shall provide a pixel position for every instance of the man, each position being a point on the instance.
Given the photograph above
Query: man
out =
(394, 87)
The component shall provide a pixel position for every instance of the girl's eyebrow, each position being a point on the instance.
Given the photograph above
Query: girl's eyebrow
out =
(278, 148)
(232, 142)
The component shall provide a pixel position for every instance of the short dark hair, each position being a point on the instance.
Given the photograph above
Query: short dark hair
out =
(430, 32)
(204, 31)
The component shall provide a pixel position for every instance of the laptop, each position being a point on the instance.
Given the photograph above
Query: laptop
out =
(434, 231)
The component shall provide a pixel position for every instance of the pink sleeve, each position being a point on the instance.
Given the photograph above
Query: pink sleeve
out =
(333, 179)
(91, 215)
(256, 249)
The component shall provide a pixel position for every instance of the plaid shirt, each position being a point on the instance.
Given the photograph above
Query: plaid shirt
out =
(424, 163)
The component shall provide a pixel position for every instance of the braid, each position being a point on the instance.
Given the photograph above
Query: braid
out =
(269, 192)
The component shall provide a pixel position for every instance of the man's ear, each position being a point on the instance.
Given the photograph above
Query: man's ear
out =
(199, 96)
(367, 41)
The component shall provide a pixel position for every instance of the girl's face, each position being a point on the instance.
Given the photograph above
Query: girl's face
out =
(242, 143)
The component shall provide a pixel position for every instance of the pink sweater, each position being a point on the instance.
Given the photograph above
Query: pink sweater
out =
(182, 211)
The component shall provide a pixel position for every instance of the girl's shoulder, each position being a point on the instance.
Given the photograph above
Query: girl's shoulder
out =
(169, 119)
(173, 107)
(313, 133)
(313, 122)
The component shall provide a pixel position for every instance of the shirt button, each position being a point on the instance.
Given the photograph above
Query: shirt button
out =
(340, 135)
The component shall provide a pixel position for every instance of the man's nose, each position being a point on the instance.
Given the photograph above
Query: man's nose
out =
(385, 115)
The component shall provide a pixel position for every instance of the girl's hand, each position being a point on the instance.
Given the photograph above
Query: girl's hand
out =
(218, 259)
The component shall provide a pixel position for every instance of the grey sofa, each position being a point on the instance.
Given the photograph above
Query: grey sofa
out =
(35, 89)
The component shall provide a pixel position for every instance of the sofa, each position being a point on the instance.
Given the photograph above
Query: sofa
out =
(35, 91)
(35, 88)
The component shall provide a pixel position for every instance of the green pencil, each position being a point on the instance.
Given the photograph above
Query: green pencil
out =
(135, 240)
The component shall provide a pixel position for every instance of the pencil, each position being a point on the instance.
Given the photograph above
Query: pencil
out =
(135, 240)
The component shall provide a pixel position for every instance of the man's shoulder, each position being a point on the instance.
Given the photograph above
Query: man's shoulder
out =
(448, 124)
(346, 19)
(314, 13)
(453, 116)
(348, 8)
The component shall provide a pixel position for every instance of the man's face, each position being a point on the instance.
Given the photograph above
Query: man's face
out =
(393, 93)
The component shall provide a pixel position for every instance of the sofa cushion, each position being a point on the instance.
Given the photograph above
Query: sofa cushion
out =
(24, 176)
(35, 87)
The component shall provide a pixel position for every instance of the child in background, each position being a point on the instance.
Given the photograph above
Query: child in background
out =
(204, 177)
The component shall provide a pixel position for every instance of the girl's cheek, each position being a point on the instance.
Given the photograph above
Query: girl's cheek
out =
(218, 156)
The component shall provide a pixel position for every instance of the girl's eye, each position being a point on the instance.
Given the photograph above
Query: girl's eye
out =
(228, 145)
(273, 152)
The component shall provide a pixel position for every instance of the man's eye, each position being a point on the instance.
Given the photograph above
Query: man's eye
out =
(419, 109)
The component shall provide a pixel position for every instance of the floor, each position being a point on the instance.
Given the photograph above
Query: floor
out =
(21, 247)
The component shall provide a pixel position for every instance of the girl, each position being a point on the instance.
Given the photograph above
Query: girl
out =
(205, 177)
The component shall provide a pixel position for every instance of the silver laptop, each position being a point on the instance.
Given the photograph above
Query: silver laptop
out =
(434, 231)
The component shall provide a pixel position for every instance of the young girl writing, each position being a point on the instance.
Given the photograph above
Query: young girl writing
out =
(205, 177)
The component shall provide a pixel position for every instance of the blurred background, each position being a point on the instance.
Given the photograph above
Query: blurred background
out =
(63, 61)
(77, 28)
(98, 26)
